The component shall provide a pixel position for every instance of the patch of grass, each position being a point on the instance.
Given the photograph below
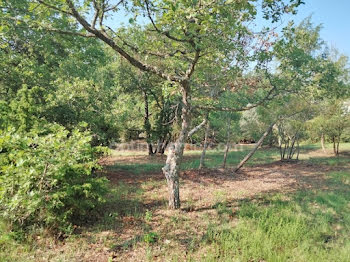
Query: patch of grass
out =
(13, 245)
(148, 216)
(128, 153)
(214, 159)
(317, 146)
(138, 168)
(311, 226)
(123, 201)
(330, 161)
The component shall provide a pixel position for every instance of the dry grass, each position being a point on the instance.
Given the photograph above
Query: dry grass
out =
(136, 225)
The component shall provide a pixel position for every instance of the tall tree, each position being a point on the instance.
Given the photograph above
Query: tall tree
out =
(179, 32)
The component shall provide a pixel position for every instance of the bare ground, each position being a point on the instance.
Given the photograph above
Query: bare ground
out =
(201, 192)
(182, 230)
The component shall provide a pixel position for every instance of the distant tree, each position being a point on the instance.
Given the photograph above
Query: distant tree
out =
(331, 123)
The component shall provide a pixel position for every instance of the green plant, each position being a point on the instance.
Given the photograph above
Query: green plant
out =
(47, 178)
(151, 237)
(148, 215)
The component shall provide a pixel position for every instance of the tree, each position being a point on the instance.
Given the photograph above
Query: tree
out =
(226, 128)
(258, 144)
(331, 122)
(179, 32)
(160, 107)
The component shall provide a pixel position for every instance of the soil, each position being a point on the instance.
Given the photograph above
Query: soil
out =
(201, 192)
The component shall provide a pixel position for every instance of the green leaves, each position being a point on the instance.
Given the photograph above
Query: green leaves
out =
(48, 179)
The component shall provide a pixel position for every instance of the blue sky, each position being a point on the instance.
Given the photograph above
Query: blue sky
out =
(334, 15)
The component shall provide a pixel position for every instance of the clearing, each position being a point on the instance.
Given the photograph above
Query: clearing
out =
(268, 211)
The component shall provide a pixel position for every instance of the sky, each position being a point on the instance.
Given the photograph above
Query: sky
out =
(334, 15)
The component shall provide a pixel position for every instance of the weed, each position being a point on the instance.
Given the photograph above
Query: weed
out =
(148, 216)
(150, 237)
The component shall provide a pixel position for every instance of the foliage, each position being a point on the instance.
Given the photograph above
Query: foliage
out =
(78, 101)
(47, 178)
(253, 124)
(225, 123)
(332, 121)
(62, 79)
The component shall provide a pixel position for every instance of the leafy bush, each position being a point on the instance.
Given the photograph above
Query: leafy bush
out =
(47, 178)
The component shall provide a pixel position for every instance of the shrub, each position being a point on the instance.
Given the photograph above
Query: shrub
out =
(47, 178)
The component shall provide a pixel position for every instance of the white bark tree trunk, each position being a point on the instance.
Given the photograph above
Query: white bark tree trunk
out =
(172, 166)
(261, 140)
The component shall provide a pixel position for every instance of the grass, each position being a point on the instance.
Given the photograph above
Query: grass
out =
(214, 158)
(329, 161)
(138, 168)
(310, 224)
(306, 226)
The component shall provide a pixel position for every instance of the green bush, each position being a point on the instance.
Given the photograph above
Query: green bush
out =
(47, 178)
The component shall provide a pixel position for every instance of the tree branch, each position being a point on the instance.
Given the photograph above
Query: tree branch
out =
(54, 30)
(157, 54)
(245, 108)
(109, 41)
(195, 129)
(167, 34)
(190, 70)
(54, 8)
(97, 13)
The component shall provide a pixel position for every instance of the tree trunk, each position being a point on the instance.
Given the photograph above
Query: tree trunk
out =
(202, 160)
(147, 125)
(285, 149)
(290, 151)
(227, 143)
(175, 152)
(280, 140)
(322, 143)
(271, 140)
(295, 148)
(292, 147)
(164, 145)
(226, 153)
(261, 140)
(298, 146)
(337, 147)
(159, 146)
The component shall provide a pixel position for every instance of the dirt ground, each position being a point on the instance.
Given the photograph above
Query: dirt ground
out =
(209, 196)
(201, 192)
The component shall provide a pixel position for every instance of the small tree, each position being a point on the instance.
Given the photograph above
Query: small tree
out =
(333, 122)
